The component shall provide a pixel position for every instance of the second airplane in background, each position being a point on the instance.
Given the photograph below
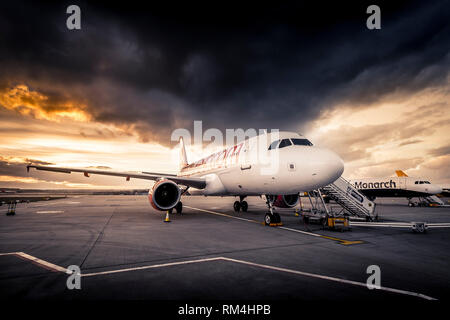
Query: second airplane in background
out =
(400, 186)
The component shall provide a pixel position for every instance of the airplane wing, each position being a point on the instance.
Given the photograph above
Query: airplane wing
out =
(198, 183)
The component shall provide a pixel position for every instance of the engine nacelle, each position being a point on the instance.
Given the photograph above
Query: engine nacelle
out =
(164, 195)
(284, 201)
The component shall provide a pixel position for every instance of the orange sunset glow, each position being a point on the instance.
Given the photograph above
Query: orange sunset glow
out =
(111, 93)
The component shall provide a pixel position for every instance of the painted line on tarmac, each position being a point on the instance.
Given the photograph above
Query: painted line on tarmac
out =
(54, 211)
(340, 241)
(54, 267)
(223, 214)
(150, 267)
(263, 266)
(318, 276)
(39, 262)
(8, 254)
(398, 224)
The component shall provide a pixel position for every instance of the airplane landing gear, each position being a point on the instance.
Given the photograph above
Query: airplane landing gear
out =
(271, 217)
(240, 205)
(179, 207)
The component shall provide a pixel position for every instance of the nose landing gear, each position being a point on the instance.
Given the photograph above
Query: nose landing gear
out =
(272, 218)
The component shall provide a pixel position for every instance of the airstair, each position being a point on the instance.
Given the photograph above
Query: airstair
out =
(354, 202)
(434, 200)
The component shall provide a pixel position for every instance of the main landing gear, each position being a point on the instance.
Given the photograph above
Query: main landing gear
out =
(178, 208)
(271, 218)
(240, 205)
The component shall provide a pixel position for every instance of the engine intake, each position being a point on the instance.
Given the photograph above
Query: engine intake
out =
(284, 201)
(164, 195)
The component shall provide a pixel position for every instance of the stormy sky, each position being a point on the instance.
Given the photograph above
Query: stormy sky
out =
(135, 73)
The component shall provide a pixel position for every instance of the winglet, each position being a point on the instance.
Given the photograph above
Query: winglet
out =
(400, 173)
(183, 157)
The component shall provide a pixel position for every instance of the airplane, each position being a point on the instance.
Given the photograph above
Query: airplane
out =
(277, 165)
(445, 190)
(400, 186)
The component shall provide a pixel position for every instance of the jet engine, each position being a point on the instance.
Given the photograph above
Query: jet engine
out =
(164, 195)
(284, 201)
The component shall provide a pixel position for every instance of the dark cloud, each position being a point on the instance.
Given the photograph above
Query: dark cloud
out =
(442, 151)
(152, 69)
(37, 162)
(408, 142)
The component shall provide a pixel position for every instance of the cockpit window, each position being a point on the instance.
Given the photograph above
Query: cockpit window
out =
(274, 145)
(285, 143)
(301, 142)
(427, 182)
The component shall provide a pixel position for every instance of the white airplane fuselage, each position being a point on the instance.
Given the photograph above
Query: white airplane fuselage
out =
(250, 168)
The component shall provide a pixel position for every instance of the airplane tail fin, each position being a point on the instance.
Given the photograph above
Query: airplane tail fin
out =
(183, 157)
(400, 173)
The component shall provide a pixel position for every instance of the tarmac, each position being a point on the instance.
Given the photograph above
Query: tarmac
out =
(126, 252)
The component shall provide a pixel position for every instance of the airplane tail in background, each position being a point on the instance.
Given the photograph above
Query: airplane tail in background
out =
(183, 157)
(400, 173)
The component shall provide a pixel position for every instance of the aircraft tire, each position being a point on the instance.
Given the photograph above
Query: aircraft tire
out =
(237, 206)
(179, 207)
(277, 218)
(268, 219)
(244, 206)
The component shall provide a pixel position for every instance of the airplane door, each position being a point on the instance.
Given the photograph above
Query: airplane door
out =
(244, 159)
(246, 169)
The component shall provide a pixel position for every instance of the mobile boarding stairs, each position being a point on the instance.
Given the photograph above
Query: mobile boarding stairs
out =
(353, 202)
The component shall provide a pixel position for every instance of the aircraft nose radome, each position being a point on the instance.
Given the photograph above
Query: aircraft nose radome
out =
(437, 190)
(337, 165)
(332, 166)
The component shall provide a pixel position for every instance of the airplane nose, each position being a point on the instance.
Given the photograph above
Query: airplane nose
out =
(336, 166)
(437, 190)
(330, 167)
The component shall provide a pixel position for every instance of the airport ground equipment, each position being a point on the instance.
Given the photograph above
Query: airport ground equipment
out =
(324, 219)
(416, 227)
(320, 214)
(337, 223)
(351, 200)
(430, 201)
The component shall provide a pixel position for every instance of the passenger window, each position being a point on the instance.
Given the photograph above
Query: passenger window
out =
(301, 142)
(285, 143)
(273, 145)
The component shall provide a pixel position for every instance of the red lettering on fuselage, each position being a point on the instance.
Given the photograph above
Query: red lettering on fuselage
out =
(218, 159)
